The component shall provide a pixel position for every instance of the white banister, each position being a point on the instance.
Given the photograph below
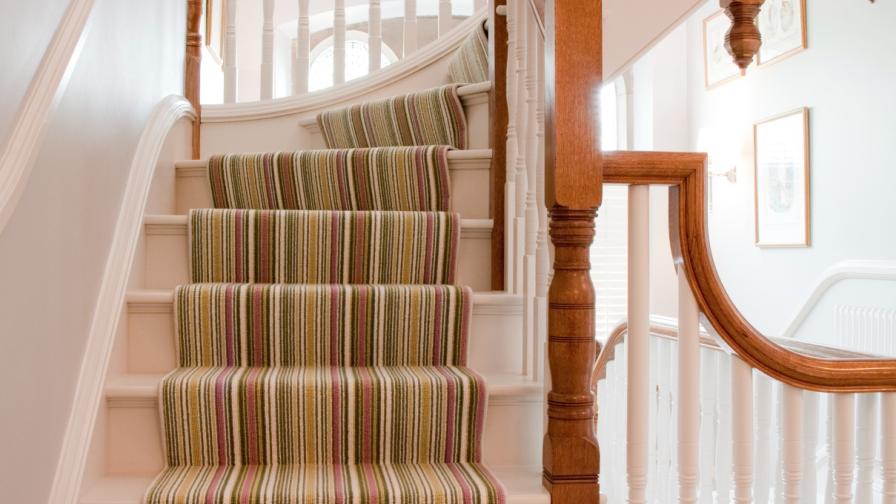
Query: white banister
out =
(761, 467)
(303, 50)
(638, 342)
(809, 444)
(791, 443)
(410, 27)
(843, 446)
(866, 430)
(375, 35)
(518, 13)
(709, 406)
(688, 391)
(338, 42)
(444, 17)
(724, 446)
(888, 448)
(230, 51)
(267, 51)
(531, 213)
(664, 418)
(510, 224)
(742, 430)
(542, 252)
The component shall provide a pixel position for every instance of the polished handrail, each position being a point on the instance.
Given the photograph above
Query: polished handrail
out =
(686, 174)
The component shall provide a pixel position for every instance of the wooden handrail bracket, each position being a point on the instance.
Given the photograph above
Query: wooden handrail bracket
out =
(688, 232)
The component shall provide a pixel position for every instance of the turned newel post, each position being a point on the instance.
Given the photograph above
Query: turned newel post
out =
(743, 39)
(193, 64)
(573, 73)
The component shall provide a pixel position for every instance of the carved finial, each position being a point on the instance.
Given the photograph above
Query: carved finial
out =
(743, 39)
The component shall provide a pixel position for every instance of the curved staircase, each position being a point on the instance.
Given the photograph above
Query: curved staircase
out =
(316, 326)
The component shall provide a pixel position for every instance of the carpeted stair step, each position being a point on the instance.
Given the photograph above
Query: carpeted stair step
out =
(468, 178)
(417, 483)
(299, 246)
(322, 415)
(322, 325)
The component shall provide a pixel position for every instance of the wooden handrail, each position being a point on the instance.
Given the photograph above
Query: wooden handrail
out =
(688, 232)
(498, 120)
(192, 67)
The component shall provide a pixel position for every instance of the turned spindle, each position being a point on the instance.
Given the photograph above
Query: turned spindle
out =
(743, 39)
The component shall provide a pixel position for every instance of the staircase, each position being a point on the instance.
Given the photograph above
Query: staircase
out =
(316, 326)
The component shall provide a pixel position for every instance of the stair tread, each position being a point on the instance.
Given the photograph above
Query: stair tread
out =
(183, 219)
(479, 297)
(523, 486)
(146, 386)
(453, 155)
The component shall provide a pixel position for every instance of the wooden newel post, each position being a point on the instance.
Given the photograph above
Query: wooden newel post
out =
(193, 65)
(573, 167)
(743, 39)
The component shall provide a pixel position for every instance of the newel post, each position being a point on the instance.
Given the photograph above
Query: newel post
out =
(193, 65)
(743, 39)
(573, 167)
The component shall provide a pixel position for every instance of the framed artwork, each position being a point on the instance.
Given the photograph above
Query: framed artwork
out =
(783, 27)
(214, 29)
(782, 189)
(718, 66)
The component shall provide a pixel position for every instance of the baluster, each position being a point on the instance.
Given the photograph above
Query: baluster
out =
(653, 411)
(531, 213)
(726, 423)
(230, 78)
(708, 419)
(267, 51)
(338, 42)
(478, 4)
(866, 427)
(637, 341)
(303, 51)
(444, 17)
(193, 70)
(375, 36)
(763, 463)
(791, 443)
(742, 430)
(522, 135)
(829, 446)
(688, 392)
(843, 446)
(542, 252)
(510, 261)
(664, 419)
(410, 27)
(810, 444)
(888, 447)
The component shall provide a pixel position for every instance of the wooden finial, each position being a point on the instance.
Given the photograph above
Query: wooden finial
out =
(743, 39)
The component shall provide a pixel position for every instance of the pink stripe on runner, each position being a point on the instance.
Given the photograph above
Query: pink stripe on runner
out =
(229, 330)
(264, 274)
(246, 493)
(220, 414)
(437, 327)
(258, 329)
(251, 419)
(428, 276)
(238, 245)
(335, 307)
(465, 487)
(213, 487)
(360, 335)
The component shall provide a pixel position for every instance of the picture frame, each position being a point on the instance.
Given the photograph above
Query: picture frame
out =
(718, 66)
(782, 176)
(783, 26)
(214, 29)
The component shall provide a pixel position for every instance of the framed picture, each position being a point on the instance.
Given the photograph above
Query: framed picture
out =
(783, 27)
(214, 29)
(782, 190)
(718, 66)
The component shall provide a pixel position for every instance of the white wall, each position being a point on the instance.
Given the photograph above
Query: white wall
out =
(25, 31)
(53, 250)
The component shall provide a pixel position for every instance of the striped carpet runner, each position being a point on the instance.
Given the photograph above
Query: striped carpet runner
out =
(322, 346)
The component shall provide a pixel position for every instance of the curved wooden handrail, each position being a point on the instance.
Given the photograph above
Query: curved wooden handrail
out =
(688, 232)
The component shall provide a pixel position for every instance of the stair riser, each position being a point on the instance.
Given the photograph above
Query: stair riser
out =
(167, 257)
(134, 434)
(469, 188)
(494, 330)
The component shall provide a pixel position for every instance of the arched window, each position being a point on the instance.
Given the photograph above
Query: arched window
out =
(357, 57)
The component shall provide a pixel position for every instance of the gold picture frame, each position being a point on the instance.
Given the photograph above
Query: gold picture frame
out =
(214, 29)
(782, 180)
(783, 26)
(718, 66)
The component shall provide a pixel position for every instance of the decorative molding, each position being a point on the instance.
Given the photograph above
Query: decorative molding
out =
(44, 92)
(839, 272)
(112, 299)
(251, 111)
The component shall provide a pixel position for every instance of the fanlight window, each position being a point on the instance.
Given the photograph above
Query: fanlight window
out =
(357, 57)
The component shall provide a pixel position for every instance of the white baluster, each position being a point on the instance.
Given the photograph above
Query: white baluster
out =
(762, 468)
(742, 430)
(230, 51)
(637, 341)
(444, 17)
(518, 13)
(888, 447)
(866, 429)
(829, 447)
(338, 42)
(510, 240)
(791, 443)
(410, 27)
(531, 213)
(542, 251)
(708, 419)
(844, 446)
(688, 392)
(303, 51)
(811, 418)
(724, 446)
(375, 35)
(267, 51)
(663, 419)
(653, 412)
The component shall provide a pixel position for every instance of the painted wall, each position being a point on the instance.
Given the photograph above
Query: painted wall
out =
(845, 79)
(54, 249)
(25, 31)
